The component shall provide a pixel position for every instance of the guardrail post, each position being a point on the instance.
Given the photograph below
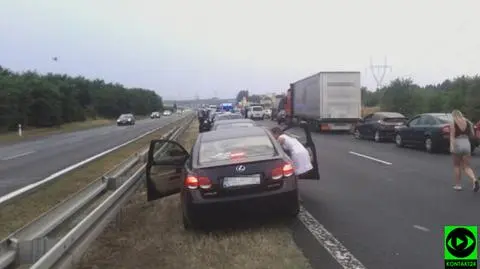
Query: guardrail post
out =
(111, 183)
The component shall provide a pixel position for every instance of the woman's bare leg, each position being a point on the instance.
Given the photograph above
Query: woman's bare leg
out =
(457, 170)
(468, 170)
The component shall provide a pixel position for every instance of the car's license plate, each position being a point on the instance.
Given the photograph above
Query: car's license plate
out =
(229, 182)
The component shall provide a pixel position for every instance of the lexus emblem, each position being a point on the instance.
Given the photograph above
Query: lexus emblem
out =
(240, 168)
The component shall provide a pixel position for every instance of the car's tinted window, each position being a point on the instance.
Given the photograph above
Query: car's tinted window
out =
(257, 108)
(243, 147)
(447, 118)
(415, 121)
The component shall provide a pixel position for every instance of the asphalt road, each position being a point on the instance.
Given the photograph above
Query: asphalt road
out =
(31, 161)
(389, 212)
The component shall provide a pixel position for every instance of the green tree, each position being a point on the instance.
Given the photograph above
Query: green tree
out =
(36, 100)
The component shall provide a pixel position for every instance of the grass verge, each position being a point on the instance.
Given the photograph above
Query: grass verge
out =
(151, 235)
(65, 128)
(15, 215)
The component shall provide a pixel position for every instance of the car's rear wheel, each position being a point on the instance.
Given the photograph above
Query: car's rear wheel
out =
(357, 134)
(429, 147)
(399, 140)
(377, 137)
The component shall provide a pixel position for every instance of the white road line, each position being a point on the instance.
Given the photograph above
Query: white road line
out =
(17, 156)
(339, 252)
(421, 228)
(370, 158)
(27, 188)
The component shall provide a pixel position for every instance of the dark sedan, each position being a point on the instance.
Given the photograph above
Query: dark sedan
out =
(379, 126)
(126, 119)
(228, 124)
(430, 131)
(242, 171)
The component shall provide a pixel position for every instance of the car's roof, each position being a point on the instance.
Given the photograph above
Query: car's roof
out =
(390, 114)
(228, 134)
(243, 120)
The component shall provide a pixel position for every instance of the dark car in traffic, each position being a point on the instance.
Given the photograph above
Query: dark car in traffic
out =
(430, 131)
(205, 120)
(126, 119)
(236, 123)
(226, 172)
(379, 126)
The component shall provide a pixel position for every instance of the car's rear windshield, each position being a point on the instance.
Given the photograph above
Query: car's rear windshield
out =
(240, 147)
(257, 109)
(234, 125)
(445, 118)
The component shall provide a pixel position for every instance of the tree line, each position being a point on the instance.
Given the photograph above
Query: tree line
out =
(36, 100)
(408, 98)
(254, 98)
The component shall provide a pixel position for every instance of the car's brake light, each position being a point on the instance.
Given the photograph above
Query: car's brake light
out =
(288, 170)
(193, 182)
(446, 129)
(283, 171)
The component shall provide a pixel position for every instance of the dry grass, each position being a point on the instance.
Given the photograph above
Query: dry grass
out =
(151, 235)
(13, 216)
(38, 132)
(369, 110)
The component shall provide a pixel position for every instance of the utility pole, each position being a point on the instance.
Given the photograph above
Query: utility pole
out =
(379, 72)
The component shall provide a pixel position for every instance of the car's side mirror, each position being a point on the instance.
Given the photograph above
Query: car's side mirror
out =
(361, 120)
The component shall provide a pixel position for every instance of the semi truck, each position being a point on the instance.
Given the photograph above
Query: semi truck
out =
(327, 101)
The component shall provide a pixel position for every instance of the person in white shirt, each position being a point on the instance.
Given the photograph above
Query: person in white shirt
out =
(298, 153)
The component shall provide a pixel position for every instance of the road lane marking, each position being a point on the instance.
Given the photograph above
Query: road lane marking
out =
(17, 156)
(421, 228)
(339, 252)
(65, 170)
(370, 158)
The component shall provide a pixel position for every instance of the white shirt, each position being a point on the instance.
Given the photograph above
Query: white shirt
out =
(299, 154)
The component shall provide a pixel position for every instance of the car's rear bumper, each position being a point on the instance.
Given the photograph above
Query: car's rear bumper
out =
(281, 200)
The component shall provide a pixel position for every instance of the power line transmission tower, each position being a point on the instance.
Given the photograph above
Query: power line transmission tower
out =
(379, 72)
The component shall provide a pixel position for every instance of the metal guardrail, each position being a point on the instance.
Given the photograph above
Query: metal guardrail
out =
(18, 194)
(37, 244)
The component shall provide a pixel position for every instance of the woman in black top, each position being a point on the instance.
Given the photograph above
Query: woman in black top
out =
(460, 132)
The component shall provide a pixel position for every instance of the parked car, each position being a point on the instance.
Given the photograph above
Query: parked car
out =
(379, 126)
(256, 112)
(226, 172)
(237, 123)
(430, 131)
(126, 119)
(155, 115)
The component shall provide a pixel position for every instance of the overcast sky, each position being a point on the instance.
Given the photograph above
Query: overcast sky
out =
(181, 48)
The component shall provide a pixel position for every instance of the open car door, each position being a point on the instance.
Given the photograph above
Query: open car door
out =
(305, 138)
(165, 168)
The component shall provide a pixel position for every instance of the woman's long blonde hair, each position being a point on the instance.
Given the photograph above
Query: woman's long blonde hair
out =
(458, 117)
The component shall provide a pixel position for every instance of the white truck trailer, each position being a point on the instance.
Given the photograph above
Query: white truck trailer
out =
(326, 100)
